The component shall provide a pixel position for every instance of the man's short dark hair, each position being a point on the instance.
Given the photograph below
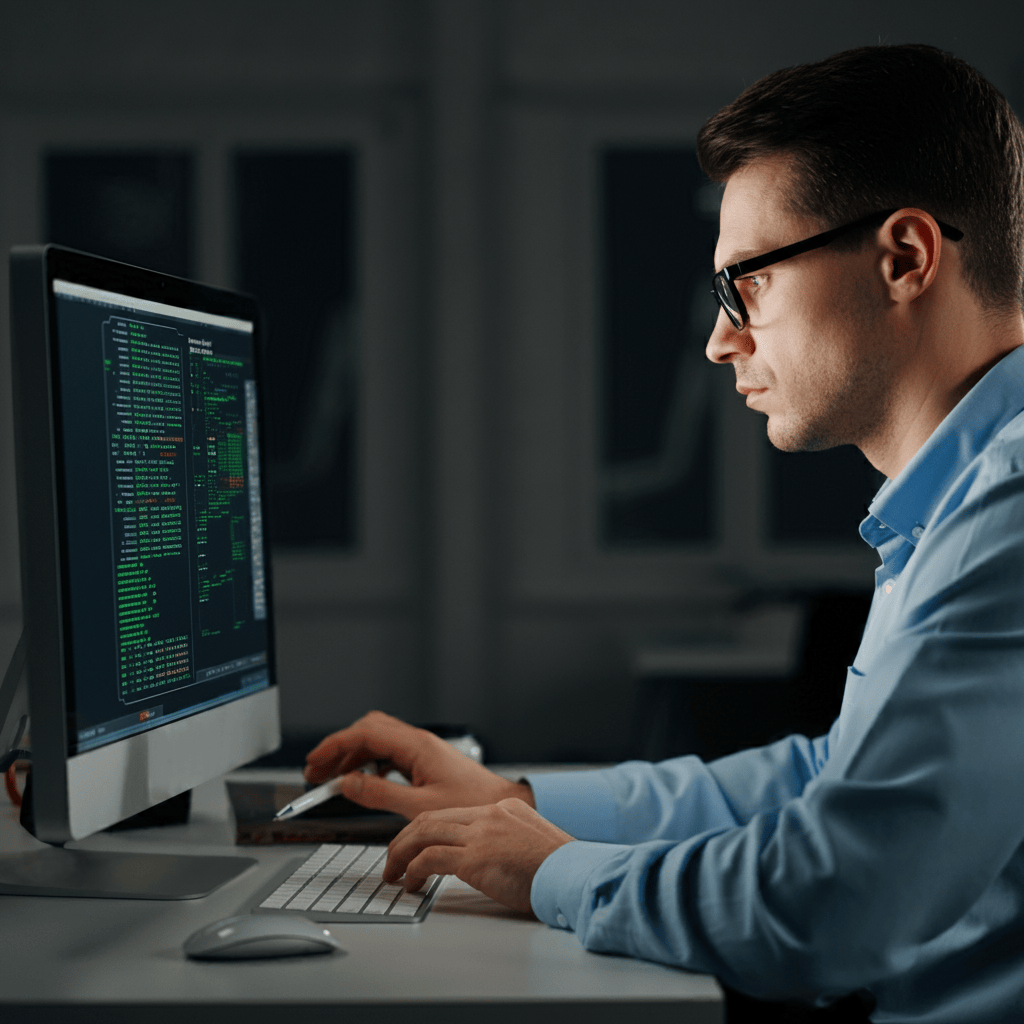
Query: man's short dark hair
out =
(882, 127)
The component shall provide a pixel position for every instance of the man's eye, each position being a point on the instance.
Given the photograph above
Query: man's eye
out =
(754, 281)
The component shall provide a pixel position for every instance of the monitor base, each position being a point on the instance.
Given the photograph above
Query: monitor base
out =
(99, 874)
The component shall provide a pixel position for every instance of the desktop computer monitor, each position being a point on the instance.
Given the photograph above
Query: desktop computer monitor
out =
(145, 576)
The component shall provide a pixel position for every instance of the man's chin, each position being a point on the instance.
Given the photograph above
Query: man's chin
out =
(788, 438)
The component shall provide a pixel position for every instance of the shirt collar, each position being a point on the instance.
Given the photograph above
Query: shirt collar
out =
(907, 502)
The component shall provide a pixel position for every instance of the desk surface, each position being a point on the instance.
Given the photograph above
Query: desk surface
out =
(471, 959)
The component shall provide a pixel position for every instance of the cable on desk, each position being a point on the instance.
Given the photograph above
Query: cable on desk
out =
(8, 764)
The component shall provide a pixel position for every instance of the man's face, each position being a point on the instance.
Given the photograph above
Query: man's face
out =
(813, 355)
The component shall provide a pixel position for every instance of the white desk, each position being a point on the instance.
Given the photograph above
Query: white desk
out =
(107, 961)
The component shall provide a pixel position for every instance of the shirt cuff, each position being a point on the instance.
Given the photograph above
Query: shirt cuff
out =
(560, 884)
(580, 803)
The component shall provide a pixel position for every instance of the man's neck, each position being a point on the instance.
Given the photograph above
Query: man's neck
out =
(926, 397)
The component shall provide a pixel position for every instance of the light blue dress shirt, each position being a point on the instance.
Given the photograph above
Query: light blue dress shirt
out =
(888, 854)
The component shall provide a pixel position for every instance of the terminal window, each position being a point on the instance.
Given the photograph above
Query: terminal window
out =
(164, 517)
(181, 437)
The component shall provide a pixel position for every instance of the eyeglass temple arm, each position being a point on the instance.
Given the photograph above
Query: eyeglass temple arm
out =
(817, 241)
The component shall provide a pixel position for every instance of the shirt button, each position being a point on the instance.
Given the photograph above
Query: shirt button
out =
(917, 531)
(888, 588)
(562, 921)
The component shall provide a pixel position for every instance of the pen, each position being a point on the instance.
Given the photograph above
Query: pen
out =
(315, 796)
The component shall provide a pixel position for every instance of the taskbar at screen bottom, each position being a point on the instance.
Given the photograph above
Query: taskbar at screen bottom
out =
(153, 717)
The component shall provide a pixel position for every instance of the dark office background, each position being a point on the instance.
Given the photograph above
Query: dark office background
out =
(507, 489)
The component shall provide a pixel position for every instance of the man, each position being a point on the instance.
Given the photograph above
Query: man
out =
(888, 854)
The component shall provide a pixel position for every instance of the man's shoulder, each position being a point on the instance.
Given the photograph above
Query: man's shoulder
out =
(991, 482)
(1003, 456)
(1008, 438)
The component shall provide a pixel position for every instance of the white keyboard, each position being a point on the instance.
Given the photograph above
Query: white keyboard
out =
(339, 883)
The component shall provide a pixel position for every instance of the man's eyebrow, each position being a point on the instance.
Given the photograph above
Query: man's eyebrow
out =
(740, 255)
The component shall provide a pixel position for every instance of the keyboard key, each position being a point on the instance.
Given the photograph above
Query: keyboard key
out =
(407, 904)
(382, 899)
(275, 901)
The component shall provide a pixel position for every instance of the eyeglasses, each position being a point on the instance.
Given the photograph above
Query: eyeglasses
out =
(723, 283)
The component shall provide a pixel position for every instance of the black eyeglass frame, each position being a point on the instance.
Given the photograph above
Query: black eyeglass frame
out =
(723, 285)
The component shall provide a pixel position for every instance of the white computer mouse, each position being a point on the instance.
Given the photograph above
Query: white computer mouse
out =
(251, 936)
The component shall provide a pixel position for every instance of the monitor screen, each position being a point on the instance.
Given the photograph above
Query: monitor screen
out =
(164, 560)
(146, 584)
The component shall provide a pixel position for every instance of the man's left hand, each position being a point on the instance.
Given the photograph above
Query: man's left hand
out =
(497, 849)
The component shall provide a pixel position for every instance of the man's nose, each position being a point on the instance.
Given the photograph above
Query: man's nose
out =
(726, 342)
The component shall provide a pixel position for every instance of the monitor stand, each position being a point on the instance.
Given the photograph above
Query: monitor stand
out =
(99, 874)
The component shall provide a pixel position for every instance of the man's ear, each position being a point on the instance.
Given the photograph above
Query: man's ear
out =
(912, 243)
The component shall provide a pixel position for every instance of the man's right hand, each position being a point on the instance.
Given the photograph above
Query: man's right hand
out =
(440, 776)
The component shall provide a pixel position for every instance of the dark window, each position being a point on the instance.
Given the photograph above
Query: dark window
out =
(656, 418)
(130, 206)
(295, 232)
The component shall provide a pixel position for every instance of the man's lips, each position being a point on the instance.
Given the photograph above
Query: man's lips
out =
(746, 389)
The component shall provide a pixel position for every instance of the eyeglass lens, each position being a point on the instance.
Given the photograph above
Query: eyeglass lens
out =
(727, 300)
